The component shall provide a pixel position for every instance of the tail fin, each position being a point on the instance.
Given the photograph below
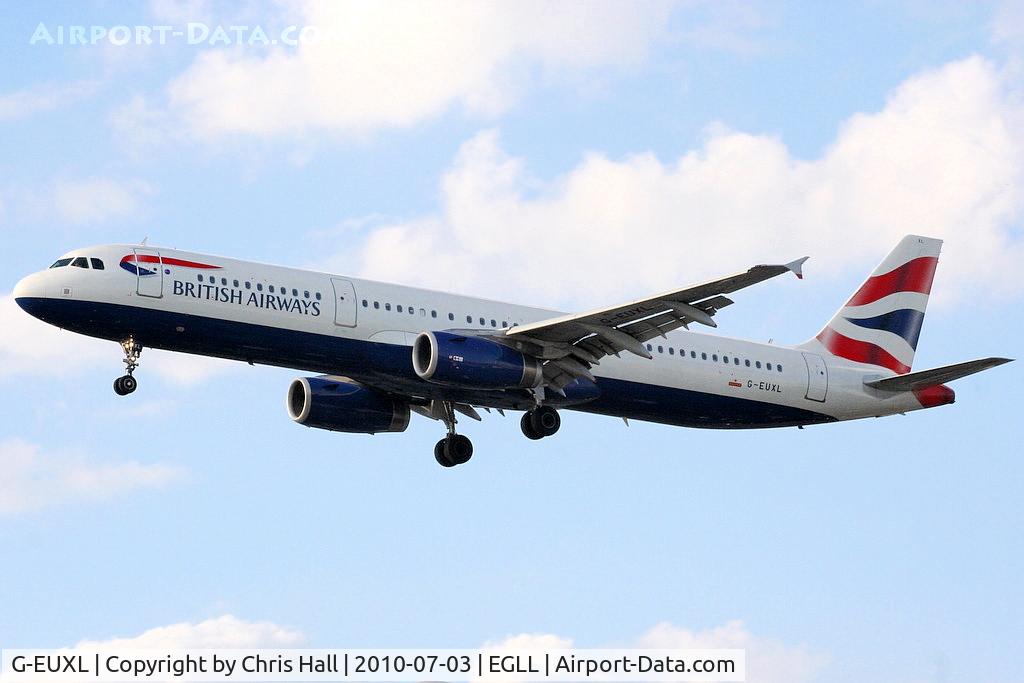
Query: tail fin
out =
(881, 323)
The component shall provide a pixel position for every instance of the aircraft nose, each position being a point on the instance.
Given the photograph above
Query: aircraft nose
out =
(31, 287)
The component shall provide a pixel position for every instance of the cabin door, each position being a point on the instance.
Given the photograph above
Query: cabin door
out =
(344, 303)
(149, 269)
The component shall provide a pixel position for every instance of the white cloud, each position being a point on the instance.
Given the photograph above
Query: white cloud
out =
(226, 632)
(31, 347)
(768, 661)
(944, 157)
(31, 479)
(385, 65)
(43, 97)
(1008, 23)
(93, 200)
(185, 369)
(530, 641)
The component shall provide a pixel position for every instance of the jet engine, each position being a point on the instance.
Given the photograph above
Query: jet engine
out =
(473, 362)
(342, 405)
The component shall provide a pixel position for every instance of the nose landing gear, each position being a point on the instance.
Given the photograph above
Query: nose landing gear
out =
(128, 384)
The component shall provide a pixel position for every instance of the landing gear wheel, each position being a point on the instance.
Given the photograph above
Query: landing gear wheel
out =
(128, 384)
(540, 422)
(441, 456)
(526, 424)
(545, 421)
(125, 385)
(458, 449)
(453, 449)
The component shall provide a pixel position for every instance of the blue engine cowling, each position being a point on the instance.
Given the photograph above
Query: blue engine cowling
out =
(473, 362)
(341, 405)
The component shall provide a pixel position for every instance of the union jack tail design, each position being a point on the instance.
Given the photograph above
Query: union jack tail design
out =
(881, 323)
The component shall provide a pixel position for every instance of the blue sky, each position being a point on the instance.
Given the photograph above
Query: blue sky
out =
(559, 155)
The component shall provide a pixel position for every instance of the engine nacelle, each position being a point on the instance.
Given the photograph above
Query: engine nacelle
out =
(473, 362)
(341, 405)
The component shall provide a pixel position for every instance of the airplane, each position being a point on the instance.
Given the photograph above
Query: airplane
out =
(383, 351)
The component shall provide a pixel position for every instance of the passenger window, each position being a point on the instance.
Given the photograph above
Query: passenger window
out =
(271, 289)
(504, 324)
(60, 263)
(248, 285)
(769, 366)
(671, 351)
(200, 277)
(433, 314)
(366, 304)
(387, 307)
(224, 281)
(295, 292)
(725, 359)
(318, 296)
(693, 354)
(305, 295)
(661, 349)
(714, 357)
(779, 368)
(650, 348)
(703, 356)
(482, 321)
(469, 319)
(259, 286)
(96, 264)
(451, 316)
(399, 308)
(747, 362)
(376, 304)
(757, 364)
(736, 361)
(494, 323)
(236, 283)
(80, 262)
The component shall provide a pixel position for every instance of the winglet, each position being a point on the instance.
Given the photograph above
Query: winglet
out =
(798, 266)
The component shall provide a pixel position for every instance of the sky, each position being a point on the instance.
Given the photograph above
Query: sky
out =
(567, 155)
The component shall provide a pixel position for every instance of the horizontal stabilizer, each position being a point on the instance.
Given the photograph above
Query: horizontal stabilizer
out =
(935, 376)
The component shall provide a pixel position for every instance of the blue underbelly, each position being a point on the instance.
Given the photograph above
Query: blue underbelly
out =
(389, 366)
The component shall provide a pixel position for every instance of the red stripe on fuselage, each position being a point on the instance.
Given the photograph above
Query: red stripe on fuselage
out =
(912, 276)
(859, 351)
(148, 258)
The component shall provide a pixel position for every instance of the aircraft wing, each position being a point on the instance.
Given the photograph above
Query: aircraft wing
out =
(571, 344)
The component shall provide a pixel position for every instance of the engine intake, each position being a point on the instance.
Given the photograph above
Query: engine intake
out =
(342, 405)
(473, 362)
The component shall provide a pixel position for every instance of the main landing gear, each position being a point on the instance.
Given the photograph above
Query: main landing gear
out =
(540, 422)
(454, 449)
(127, 384)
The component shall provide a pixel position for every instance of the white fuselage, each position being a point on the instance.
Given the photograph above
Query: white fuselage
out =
(317, 322)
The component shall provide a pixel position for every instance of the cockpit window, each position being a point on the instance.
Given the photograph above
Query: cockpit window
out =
(60, 263)
(80, 262)
(97, 264)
